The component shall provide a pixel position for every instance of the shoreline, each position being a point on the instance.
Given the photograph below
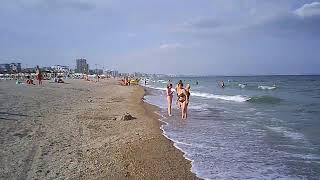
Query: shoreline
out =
(161, 118)
(180, 167)
(77, 130)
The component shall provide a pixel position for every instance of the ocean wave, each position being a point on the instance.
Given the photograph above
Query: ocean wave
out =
(265, 100)
(267, 87)
(162, 81)
(236, 98)
(288, 133)
(198, 107)
(157, 88)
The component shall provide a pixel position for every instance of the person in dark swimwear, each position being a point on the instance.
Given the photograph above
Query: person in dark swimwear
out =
(183, 100)
(222, 84)
(177, 102)
(98, 77)
(188, 97)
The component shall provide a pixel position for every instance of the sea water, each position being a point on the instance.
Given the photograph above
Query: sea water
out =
(257, 127)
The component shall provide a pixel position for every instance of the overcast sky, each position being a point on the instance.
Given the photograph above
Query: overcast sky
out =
(225, 37)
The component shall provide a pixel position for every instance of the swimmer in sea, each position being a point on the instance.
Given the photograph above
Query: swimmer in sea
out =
(222, 84)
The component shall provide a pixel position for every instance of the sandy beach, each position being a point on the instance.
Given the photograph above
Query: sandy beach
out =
(78, 130)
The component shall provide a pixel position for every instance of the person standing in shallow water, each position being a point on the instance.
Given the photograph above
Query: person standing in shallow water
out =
(176, 88)
(169, 98)
(222, 84)
(183, 99)
(188, 97)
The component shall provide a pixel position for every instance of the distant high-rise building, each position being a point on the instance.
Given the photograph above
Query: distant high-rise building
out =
(82, 66)
(10, 68)
(4, 68)
(114, 73)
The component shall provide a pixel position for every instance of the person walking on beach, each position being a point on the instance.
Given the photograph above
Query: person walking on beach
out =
(98, 78)
(183, 99)
(169, 98)
(39, 75)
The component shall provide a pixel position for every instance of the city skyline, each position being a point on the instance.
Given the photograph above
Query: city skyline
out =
(166, 37)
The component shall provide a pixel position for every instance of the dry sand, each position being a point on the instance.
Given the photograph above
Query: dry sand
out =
(76, 131)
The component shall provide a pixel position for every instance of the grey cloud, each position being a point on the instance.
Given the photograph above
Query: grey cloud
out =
(307, 10)
(207, 26)
(170, 45)
(304, 20)
(56, 4)
(202, 23)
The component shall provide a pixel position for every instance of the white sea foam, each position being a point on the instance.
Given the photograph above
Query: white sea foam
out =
(162, 81)
(236, 98)
(267, 87)
(287, 133)
(242, 85)
(157, 88)
(198, 107)
(175, 142)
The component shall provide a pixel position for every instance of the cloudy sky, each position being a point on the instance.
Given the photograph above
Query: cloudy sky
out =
(212, 37)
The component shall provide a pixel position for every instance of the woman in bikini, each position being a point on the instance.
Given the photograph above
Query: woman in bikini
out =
(183, 100)
(169, 98)
(177, 87)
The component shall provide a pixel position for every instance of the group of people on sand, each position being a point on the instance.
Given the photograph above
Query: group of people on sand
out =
(39, 77)
(183, 97)
(127, 81)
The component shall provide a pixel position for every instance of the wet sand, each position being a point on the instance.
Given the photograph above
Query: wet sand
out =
(77, 131)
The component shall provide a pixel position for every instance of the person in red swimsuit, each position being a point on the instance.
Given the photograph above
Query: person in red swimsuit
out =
(39, 75)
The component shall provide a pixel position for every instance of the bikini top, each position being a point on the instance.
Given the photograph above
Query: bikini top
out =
(169, 92)
(181, 95)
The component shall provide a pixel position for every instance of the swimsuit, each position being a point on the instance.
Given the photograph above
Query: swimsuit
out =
(169, 92)
(182, 97)
(188, 94)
